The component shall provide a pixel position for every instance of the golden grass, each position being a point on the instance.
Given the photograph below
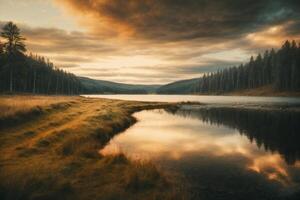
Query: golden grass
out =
(55, 155)
(11, 105)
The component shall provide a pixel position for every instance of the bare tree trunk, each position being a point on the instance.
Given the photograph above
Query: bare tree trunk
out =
(62, 86)
(69, 90)
(34, 81)
(11, 80)
(56, 88)
(49, 84)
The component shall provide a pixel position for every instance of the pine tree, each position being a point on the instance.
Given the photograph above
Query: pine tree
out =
(14, 44)
(13, 48)
(280, 69)
(30, 73)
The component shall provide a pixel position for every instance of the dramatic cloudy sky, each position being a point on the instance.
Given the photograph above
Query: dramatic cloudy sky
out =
(151, 41)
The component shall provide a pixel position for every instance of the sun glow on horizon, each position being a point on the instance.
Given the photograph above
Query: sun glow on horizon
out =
(141, 38)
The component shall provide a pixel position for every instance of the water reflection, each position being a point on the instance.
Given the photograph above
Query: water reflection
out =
(206, 99)
(275, 131)
(224, 154)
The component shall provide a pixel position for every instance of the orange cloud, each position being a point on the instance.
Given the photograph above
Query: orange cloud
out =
(169, 20)
(177, 39)
(274, 35)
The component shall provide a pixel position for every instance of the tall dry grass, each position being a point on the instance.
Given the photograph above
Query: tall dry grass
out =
(12, 105)
(56, 156)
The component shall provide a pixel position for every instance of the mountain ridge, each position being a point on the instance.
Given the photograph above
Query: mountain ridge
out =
(110, 87)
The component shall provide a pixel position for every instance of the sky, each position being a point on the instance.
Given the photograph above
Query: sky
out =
(151, 41)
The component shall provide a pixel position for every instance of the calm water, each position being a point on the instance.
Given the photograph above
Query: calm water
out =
(205, 99)
(221, 153)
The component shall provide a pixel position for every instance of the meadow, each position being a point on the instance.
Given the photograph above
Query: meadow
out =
(50, 150)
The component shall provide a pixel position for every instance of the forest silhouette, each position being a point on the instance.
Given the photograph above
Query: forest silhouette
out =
(28, 73)
(281, 69)
(20, 72)
(275, 131)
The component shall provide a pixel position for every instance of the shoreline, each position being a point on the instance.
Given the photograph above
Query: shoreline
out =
(65, 134)
(265, 91)
(260, 92)
(67, 141)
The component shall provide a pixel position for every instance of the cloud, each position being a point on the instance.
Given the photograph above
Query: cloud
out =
(146, 41)
(51, 40)
(153, 74)
(63, 58)
(176, 20)
(66, 48)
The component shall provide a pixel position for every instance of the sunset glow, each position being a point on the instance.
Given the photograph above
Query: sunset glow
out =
(150, 41)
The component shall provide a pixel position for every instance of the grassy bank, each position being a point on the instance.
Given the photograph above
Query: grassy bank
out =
(264, 91)
(49, 150)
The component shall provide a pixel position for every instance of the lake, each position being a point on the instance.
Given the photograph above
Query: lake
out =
(204, 99)
(219, 152)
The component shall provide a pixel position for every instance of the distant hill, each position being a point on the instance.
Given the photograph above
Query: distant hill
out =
(107, 87)
(179, 87)
(278, 70)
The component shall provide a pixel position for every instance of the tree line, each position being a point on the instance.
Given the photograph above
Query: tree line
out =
(281, 69)
(30, 73)
(277, 124)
